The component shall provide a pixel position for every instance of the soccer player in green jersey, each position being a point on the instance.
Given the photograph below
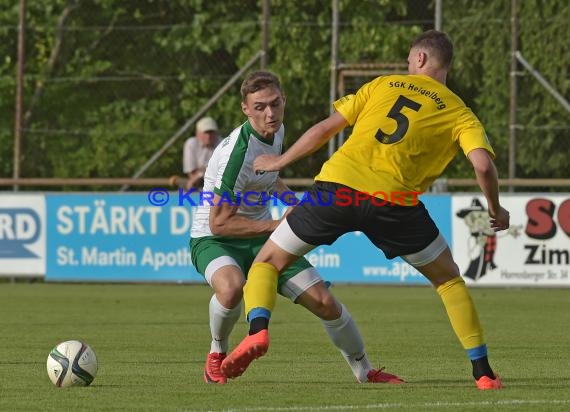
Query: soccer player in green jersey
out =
(406, 130)
(228, 230)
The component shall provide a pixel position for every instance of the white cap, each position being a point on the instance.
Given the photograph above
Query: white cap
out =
(206, 124)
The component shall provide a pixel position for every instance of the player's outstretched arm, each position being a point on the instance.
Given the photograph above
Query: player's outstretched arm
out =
(311, 141)
(486, 174)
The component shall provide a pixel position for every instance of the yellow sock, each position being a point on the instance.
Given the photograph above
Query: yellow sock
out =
(260, 290)
(461, 311)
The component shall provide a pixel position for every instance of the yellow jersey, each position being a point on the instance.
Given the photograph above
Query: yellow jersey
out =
(407, 129)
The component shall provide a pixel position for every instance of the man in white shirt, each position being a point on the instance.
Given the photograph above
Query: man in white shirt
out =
(198, 150)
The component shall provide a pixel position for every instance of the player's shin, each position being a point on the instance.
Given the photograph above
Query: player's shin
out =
(260, 294)
(465, 322)
(222, 321)
(344, 333)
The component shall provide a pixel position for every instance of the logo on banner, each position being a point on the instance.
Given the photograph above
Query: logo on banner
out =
(483, 239)
(544, 221)
(20, 228)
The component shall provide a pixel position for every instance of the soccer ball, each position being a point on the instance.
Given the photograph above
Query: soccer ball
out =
(72, 363)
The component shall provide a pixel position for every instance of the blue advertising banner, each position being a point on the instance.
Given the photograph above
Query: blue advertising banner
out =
(118, 237)
(133, 237)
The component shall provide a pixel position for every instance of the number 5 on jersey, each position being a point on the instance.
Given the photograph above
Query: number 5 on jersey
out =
(403, 122)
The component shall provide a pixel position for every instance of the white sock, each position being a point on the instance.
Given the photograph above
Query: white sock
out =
(222, 321)
(345, 335)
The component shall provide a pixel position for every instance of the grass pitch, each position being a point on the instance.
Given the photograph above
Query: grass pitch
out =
(151, 342)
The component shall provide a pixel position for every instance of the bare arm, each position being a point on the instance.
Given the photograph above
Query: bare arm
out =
(486, 174)
(311, 141)
(224, 221)
(195, 178)
(281, 188)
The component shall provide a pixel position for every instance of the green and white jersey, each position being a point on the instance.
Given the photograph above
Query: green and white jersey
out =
(230, 174)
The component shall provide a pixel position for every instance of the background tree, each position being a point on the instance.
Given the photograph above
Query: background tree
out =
(482, 71)
(108, 82)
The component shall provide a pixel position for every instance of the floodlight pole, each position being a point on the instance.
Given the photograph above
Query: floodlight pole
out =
(513, 95)
(334, 65)
(265, 34)
(438, 15)
(19, 93)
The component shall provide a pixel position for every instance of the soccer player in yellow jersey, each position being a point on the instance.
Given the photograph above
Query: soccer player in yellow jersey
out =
(406, 130)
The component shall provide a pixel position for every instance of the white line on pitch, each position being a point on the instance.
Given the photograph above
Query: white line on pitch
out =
(399, 405)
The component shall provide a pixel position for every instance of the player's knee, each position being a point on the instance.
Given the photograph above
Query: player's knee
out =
(230, 299)
(275, 256)
(230, 292)
(455, 270)
(452, 272)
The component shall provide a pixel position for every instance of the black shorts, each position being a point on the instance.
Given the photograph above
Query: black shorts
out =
(324, 216)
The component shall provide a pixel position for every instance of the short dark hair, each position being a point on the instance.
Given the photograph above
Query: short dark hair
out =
(438, 44)
(257, 81)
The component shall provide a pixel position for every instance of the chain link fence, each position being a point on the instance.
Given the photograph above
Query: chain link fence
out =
(107, 83)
